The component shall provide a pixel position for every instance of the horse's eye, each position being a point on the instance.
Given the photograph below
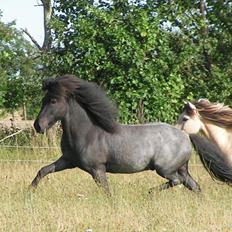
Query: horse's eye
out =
(53, 101)
(186, 118)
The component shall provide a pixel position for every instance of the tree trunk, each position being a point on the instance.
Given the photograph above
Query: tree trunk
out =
(47, 9)
(47, 14)
(208, 61)
(24, 111)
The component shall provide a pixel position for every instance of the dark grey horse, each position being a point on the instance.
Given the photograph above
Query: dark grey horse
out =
(94, 142)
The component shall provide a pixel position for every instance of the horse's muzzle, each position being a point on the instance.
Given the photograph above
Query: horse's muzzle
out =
(39, 129)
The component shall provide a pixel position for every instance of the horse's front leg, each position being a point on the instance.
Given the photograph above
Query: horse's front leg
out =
(99, 176)
(58, 165)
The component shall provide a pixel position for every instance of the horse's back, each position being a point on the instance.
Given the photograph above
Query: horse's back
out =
(158, 132)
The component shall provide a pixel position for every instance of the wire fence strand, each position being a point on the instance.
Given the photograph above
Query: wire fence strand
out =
(43, 160)
(28, 147)
(25, 161)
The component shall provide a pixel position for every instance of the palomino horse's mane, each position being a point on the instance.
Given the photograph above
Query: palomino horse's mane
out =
(216, 112)
(101, 111)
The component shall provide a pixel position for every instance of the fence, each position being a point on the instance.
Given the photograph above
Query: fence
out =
(194, 162)
(22, 147)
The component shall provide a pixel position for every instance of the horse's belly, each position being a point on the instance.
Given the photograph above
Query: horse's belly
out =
(130, 165)
(114, 168)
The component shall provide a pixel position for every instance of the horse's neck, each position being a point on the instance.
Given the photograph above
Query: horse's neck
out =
(222, 137)
(76, 124)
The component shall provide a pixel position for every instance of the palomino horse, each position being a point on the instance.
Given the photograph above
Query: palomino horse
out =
(214, 120)
(93, 141)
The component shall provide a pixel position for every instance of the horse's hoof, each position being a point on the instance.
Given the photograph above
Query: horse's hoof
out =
(152, 190)
(197, 190)
(31, 188)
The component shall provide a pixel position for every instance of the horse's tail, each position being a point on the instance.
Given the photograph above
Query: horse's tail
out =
(212, 158)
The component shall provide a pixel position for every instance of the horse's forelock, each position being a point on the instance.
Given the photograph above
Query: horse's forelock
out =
(63, 86)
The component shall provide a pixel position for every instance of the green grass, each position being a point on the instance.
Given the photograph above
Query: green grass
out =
(70, 200)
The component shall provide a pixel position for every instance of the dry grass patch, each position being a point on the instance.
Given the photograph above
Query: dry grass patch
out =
(70, 201)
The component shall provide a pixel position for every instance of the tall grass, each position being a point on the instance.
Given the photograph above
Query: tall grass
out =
(70, 200)
(29, 145)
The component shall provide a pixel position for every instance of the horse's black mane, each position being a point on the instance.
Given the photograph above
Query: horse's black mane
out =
(90, 97)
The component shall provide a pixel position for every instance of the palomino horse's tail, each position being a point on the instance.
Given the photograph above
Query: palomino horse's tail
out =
(212, 158)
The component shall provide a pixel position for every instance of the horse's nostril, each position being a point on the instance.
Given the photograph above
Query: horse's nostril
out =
(37, 127)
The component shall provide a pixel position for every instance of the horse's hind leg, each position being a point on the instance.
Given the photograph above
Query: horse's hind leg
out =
(169, 184)
(174, 179)
(188, 181)
(58, 165)
(181, 176)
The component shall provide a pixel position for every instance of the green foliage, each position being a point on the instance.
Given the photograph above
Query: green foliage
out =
(149, 55)
(18, 78)
(207, 49)
(122, 47)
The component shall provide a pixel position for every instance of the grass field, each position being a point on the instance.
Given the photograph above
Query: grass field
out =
(70, 201)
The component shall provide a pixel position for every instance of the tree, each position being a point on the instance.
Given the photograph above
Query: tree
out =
(122, 46)
(17, 70)
(149, 55)
(205, 26)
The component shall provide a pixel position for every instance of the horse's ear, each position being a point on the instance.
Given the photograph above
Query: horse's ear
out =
(191, 108)
(203, 99)
(47, 84)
